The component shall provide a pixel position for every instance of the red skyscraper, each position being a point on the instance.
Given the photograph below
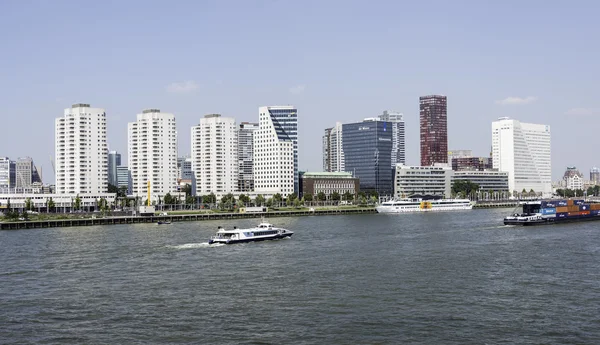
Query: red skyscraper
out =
(434, 130)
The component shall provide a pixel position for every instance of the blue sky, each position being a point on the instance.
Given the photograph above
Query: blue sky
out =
(536, 61)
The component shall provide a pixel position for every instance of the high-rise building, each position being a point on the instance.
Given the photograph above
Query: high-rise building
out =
(24, 172)
(246, 156)
(418, 180)
(276, 150)
(152, 154)
(367, 150)
(214, 155)
(434, 130)
(123, 178)
(333, 150)
(523, 150)
(114, 161)
(184, 168)
(81, 151)
(398, 135)
(7, 175)
(459, 154)
(595, 176)
(573, 178)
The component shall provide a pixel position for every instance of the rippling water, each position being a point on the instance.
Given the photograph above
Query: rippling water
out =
(438, 278)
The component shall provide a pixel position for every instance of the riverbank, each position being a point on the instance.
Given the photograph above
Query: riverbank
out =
(53, 223)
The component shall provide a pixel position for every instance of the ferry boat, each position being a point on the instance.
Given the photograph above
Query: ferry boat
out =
(553, 211)
(421, 205)
(161, 222)
(264, 231)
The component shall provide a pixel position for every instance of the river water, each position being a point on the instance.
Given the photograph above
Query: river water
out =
(436, 278)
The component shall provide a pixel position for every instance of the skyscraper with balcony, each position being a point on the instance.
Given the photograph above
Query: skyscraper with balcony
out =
(333, 150)
(114, 161)
(276, 150)
(81, 151)
(152, 154)
(434, 130)
(7, 175)
(523, 151)
(214, 155)
(246, 156)
(398, 135)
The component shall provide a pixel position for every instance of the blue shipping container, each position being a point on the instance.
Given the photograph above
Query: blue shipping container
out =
(548, 204)
(562, 215)
(584, 207)
(595, 212)
(561, 203)
(578, 202)
(548, 211)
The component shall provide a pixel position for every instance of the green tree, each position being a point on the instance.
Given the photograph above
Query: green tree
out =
(24, 215)
(335, 196)
(122, 192)
(374, 193)
(464, 187)
(190, 200)
(244, 198)
(596, 190)
(259, 200)
(321, 196)
(113, 189)
(187, 189)
(348, 196)
(290, 199)
(297, 203)
(277, 198)
(77, 205)
(308, 197)
(50, 205)
(362, 195)
(269, 202)
(28, 204)
(168, 199)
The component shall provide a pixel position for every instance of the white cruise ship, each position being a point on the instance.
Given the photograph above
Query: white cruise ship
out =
(420, 205)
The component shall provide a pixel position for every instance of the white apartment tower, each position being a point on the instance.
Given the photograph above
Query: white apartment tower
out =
(523, 151)
(246, 156)
(214, 155)
(81, 151)
(336, 150)
(152, 154)
(276, 150)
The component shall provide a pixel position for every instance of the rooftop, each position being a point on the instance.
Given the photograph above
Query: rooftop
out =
(327, 174)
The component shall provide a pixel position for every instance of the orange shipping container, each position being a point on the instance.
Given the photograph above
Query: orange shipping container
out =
(562, 209)
(573, 208)
(569, 202)
(594, 207)
(572, 214)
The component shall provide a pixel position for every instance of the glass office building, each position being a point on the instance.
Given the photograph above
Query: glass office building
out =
(368, 155)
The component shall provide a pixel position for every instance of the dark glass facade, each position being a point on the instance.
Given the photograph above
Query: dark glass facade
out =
(285, 121)
(368, 154)
(434, 130)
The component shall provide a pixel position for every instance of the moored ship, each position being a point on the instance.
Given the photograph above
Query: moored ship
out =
(421, 205)
(554, 211)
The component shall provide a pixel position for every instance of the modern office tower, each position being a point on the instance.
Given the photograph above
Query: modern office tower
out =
(595, 175)
(25, 171)
(367, 149)
(422, 180)
(184, 168)
(114, 161)
(523, 150)
(123, 178)
(246, 156)
(7, 175)
(398, 135)
(333, 150)
(459, 154)
(434, 130)
(152, 154)
(573, 178)
(81, 151)
(214, 155)
(276, 151)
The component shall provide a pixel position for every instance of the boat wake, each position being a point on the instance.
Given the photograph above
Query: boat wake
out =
(196, 245)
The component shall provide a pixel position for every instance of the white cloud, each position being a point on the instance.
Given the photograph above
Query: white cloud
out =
(298, 89)
(582, 111)
(516, 100)
(182, 87)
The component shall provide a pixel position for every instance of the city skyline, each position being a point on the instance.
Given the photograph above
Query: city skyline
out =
(527, 72)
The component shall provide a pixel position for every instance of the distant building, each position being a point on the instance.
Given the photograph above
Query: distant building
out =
(215, 155)
(81, 151)
(595, 176)
(487, 180)
(398, 135)
(459, 154)
(422, 180)
(275, 163)
(523, 151)
(123, 178)
(367, 149)
(7, 174)
(573, 178)
(152, 154)
(184, 168)
(329, 182)
(471, 163)
(434, 129)
(246, 156)
(114, 160)
(333, 150)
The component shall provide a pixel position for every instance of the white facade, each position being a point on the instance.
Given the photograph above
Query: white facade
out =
(275, 167)
(573, 179)
(152, 154)
(523, 151)
(81, 151)
(428, 180)
(214, 155)
(333, 150)
(488, 181)
(398, 135)
(7, 174)
(62, 202)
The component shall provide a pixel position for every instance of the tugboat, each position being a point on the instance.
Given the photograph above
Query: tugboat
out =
(554, 211)
(264, 231)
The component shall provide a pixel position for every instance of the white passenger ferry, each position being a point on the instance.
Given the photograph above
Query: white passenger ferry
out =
(264, 231)
(420, 205)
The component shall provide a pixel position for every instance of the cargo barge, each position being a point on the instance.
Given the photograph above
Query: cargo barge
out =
(554, 211)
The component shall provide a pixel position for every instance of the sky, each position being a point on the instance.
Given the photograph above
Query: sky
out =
(535, 61)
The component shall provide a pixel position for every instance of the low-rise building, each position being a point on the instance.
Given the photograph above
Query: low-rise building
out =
(488, 181)
(422, 180)
(62, 202)
(329, 182)
(471, 163)
(573, 178)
